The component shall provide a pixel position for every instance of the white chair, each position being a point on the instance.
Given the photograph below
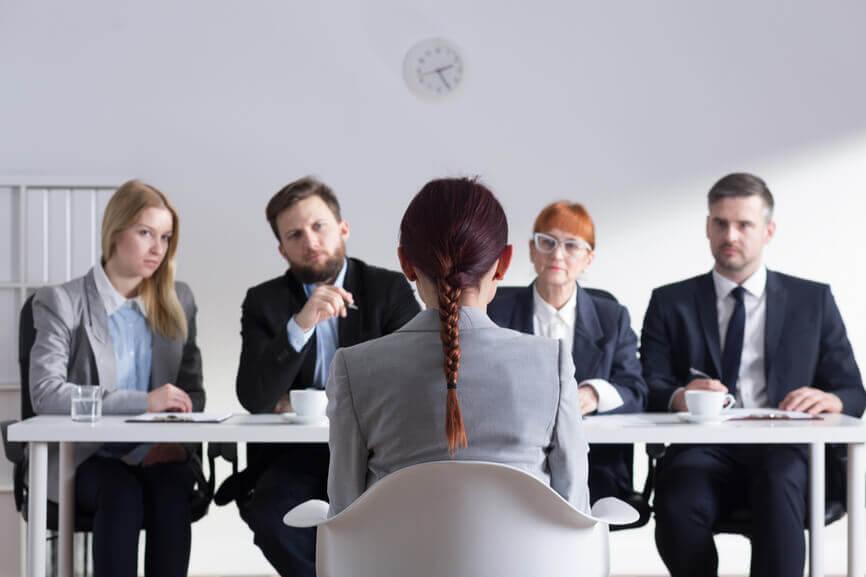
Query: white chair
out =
(461, 519)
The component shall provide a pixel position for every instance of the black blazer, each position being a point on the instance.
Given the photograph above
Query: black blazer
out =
(270, 367)
(605, 346)
(805, 345)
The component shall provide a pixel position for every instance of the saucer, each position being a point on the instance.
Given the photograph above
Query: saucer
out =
(690, 418)
(296, 419)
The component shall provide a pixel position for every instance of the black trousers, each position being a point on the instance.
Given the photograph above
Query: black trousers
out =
(292, 476)
(125, 499)
(698, 485)
(610, 469)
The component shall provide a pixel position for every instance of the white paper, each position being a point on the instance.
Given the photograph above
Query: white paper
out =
(179, 418)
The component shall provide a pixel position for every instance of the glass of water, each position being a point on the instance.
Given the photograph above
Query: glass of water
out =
(86, 403)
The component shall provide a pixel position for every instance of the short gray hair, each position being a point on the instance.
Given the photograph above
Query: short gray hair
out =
(741, 185)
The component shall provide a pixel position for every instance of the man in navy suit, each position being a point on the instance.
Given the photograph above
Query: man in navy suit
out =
(771, 340)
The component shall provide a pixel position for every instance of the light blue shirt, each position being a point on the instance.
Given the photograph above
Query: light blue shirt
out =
(132, 341)
(327, 337)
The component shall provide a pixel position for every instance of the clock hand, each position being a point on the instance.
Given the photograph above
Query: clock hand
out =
(437, 70)
(442, 77)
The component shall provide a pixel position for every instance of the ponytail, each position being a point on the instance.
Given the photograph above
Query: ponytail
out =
(449, 332)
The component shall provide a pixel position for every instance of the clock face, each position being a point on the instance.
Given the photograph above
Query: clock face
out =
(433, 68)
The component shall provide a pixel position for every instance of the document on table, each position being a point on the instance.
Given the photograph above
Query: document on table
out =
(179, 418)
(769, 415)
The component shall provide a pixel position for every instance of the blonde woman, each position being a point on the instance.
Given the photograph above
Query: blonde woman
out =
(128, 326)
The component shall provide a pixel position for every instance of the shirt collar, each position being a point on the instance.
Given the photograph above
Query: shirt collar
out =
(754, 285)
(547, 312)
(341, 276)
(111, 298)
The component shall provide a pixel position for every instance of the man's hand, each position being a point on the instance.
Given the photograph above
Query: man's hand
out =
(326, 302)
(283, 404)
(588, 399)
(168, 398)
(811, 400)
(164, 453)
(678, 403)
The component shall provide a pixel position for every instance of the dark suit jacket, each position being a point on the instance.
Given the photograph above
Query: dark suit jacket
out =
(605, 347)
(270, 367)
(805, 344)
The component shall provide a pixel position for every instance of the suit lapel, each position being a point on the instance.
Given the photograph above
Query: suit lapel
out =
(349, 328)
(587, 335)
(776, 299)
(98, 334)
(706, 302)
(521, 314)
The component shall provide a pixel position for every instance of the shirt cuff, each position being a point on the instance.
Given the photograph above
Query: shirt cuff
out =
(608, 397)
(297, 336)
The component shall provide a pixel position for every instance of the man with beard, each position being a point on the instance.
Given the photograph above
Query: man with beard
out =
(291, 327)
(771, 340)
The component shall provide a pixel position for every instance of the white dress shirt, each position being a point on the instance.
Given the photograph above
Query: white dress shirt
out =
(547, 321)
(752, 378)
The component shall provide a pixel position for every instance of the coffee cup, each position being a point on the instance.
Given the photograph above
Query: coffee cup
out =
(309, 402)
(708, 404)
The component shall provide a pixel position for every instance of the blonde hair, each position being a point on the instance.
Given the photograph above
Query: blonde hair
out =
(164, 313)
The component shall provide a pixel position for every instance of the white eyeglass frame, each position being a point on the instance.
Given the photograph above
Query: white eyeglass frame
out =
(571, 247)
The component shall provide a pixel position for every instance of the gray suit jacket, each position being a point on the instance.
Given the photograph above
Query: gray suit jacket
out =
(73, 347)
(386, 404)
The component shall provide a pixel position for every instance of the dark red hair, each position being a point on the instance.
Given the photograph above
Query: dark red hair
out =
(453, 232)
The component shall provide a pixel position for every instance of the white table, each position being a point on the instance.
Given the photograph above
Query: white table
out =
(39, 431)
(842, 429)
(642, 428)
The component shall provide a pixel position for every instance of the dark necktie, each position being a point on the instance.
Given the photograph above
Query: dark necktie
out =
(734, 342)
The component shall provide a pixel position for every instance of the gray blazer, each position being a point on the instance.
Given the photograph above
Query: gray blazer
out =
(386, 405)
(73, 347)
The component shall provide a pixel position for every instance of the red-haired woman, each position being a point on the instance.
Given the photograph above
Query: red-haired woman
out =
(450, 383)
(593, 326)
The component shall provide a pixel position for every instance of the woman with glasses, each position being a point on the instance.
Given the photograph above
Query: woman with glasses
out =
(593, 325)
(451, 384)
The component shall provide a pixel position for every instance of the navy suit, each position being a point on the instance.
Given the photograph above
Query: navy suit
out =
(805, 346)
(605, 347)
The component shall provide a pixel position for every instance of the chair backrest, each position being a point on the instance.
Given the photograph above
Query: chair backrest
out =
(461, 519)
(26, 338)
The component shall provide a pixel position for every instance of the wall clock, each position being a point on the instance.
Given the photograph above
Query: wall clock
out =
(433, 68)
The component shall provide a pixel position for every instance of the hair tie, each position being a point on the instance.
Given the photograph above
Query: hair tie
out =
(452, 386)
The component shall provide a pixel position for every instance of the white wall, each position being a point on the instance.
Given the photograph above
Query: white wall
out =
(634, 108)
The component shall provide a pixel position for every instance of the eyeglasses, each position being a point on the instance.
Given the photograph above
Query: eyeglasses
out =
(572, 247)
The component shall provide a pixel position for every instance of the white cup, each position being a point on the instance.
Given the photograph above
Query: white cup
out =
(86, 403)
(309, 402)
(708, 404)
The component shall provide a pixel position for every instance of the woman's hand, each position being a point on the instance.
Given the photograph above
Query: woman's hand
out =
(168, 398)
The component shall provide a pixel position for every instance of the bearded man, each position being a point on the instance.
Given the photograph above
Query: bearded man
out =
(291, 327)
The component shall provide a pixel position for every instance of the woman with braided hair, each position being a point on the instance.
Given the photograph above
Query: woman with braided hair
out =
(508, 397)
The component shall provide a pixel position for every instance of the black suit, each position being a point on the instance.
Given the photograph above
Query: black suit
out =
(605, 347)
(805, 346)
(279, 477)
